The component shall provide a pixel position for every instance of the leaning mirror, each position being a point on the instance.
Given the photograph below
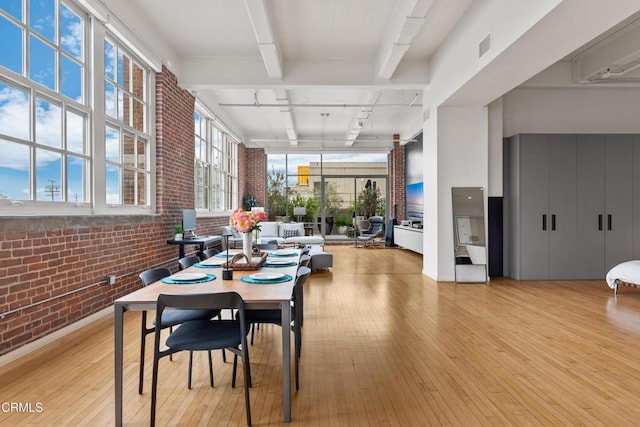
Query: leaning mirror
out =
(470, 248)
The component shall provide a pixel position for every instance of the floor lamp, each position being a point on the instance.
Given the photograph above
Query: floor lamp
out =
(300, 211)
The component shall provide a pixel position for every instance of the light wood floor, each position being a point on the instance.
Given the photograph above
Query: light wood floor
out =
(382, 346)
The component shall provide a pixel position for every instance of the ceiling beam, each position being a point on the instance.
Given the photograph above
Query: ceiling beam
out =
(259, 17)
(361, 117)
(405, 26)
(282, 98)
(612, 59)
(249, 73)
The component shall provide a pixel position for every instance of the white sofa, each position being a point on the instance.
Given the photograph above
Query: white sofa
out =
(286, 232)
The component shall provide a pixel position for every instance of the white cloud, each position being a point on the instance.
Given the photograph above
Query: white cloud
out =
(14, 112)
(14, 122)
(48, 123)
(71, 38)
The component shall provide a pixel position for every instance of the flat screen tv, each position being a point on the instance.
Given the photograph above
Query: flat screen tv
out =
(189, 220)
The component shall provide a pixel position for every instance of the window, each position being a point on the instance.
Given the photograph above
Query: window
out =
(127, 142)
(59, 154)
(43, 112)
(216, 173)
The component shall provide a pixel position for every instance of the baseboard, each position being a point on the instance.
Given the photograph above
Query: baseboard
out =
(48, 339)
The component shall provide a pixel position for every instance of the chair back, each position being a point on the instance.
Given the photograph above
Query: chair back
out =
(187, 261)
(376, 225)
(208, 253)
(301, 276)
(153, 275)
(363, 225)
(305, 260)
(202, 301)
(298, 296)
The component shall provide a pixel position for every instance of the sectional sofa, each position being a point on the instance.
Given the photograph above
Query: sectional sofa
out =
(286, 232)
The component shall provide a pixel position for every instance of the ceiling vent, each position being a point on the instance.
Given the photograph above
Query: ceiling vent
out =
(484, 46)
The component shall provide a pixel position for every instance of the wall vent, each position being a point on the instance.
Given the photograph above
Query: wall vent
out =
(484, 46)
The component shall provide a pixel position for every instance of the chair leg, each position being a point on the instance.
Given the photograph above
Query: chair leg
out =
(224, 356)
(235, 367)
(298, 346)
(246, 354)
(297, 373)
(253, 327)
(143, 341)
(190, 366)
(154, 389)
(170, 332)
(211, 368)
(247, 384)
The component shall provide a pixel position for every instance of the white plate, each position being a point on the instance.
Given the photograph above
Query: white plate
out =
(223, 254)
(284, 252)
(212, 261)
(266, 276)
(278, 261)
(188, 276)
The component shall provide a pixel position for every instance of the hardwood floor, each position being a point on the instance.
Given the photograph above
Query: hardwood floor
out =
(383, 345)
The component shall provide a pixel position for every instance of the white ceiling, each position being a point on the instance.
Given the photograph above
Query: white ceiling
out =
(362, 63)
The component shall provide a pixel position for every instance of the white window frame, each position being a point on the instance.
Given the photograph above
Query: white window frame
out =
(36, 91)
(222, 170)
(92, 106)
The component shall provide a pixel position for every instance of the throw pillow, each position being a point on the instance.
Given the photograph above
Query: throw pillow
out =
(289, 233)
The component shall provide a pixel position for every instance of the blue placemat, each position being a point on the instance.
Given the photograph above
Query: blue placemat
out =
(201, 265)
(285, 278)
(276, 254)
(170, 281)
(289, 264)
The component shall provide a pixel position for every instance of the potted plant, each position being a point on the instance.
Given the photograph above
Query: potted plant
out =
(342, 222)
(178, 231)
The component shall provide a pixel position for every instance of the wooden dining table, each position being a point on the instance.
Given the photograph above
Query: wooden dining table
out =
(255, 296)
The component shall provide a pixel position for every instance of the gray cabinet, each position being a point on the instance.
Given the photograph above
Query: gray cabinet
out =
(605, 203)
(543, 206)
(573, 210)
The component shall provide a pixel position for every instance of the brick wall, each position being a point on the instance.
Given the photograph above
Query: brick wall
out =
(256, 175)
(397, 178)
(42, 259)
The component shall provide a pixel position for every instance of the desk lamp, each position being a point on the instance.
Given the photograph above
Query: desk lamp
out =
(227, 272)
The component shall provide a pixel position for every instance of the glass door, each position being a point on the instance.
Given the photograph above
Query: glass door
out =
(346, 200)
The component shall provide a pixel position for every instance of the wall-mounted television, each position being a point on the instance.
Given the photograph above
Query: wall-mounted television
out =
(189, 222)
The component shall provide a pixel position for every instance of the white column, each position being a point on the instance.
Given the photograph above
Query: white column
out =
(456, 151)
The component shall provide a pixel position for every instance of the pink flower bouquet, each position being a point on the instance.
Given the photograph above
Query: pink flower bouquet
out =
(247, 221)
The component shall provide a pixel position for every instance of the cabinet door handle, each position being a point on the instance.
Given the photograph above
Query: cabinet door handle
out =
(544, 222)
(609, 222)
(600, 222)
(553, 222)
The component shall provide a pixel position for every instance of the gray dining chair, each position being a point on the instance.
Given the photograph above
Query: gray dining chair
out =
(274, 316)
(169, 320)
(208, 253)
(187, 261)
(204, 335)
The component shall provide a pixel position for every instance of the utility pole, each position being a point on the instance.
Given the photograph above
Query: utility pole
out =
(52, 188)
